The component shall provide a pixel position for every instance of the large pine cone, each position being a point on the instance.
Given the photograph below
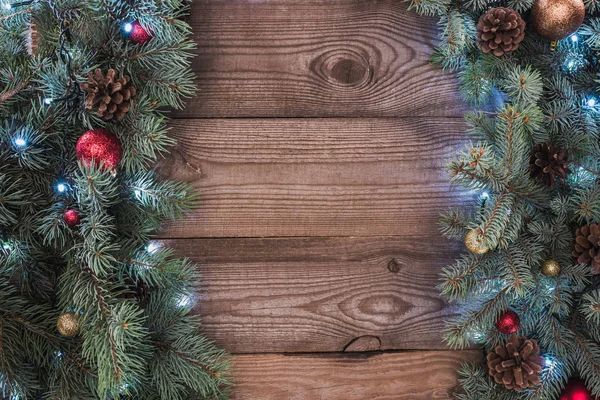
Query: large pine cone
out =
(500, 31)
(548, 162)
(517, 365)
(109, 95)
(587, 243)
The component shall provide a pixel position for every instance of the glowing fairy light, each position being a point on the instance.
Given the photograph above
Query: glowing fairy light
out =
(574, 38)
(7, 6)
(48, 101)
(485, 195)
(61, 187)
(591, 102)
(127, 27)
(185, 301)
(20, 142)
(152, 247)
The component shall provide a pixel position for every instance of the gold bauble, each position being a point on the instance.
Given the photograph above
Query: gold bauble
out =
(68, 324)
(475, 243)
(557, 19)
(551, 267)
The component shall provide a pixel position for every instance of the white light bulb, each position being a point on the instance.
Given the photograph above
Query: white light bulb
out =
(185, 301)
(128, 27)
(6, 246)
(152, 247)
(61, 187)
(549, 361)
(20, 142)
(574, 38)
(48, 101)
(485, 195)
(7, 6)
(571, 64)
(591, 102)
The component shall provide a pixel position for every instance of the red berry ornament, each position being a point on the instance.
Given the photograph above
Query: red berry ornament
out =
(508, 322)
(99, 146)
(576, 390)
(72, 218)
(138, 34)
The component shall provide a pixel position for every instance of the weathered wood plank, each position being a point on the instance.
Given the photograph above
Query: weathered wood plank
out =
(307, 58)
(315, 177)
(321, 294)
(392, 376)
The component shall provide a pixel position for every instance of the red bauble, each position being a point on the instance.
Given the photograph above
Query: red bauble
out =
(101, 146)
(138, 34)
(577, 390)
(508, 322)
(72, 218)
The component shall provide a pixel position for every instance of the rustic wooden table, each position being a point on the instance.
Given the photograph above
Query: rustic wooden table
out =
(316, 143)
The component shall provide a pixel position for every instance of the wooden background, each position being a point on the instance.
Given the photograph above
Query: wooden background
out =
(317, 142)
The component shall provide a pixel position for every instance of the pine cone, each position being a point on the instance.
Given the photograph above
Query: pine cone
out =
(139, 291)
(500, 31)
(107, 94)
(547, 162)
(587, 243)
(517, 365)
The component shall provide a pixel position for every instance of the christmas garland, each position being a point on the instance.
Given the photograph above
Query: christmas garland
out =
(529, 289)
(90, 308)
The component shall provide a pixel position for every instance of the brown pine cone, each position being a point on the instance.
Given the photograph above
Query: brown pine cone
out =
(139, 291)
(547, 162)
(109, 95)
(500, 31)
(587, 243)
(517, 365)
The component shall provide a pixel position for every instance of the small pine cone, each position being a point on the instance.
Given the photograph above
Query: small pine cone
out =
(109, 95)
(587, 243)
(517, 365)
(499, 31)
(548, 162)
(139, 291)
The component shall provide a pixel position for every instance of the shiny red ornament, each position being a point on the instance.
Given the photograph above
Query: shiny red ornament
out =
(508, 322)
(138, 34)
(72, 218)
(101, 146)
(577, 390)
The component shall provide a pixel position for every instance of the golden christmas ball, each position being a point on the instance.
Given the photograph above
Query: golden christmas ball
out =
(557, 19)
(475, 243)
(551, 267)
(68, 324)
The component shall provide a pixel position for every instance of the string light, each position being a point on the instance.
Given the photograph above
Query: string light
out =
(591, 102)
(152, 247)
(574, 38)
(7, 6)
(61, 187)
(20, 142)
(48, 101)
(6, 246)
(185, 301)
(485, 195)
(549, 361)
(127, 27)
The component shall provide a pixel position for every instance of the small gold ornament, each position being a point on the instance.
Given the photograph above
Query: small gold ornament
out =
(556, 19)
(68, 324)
(474, 243)
(551, 267)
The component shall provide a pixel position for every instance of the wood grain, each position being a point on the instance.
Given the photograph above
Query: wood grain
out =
(307, 58)
(321, 294)
(315, 177)
(392, 376)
